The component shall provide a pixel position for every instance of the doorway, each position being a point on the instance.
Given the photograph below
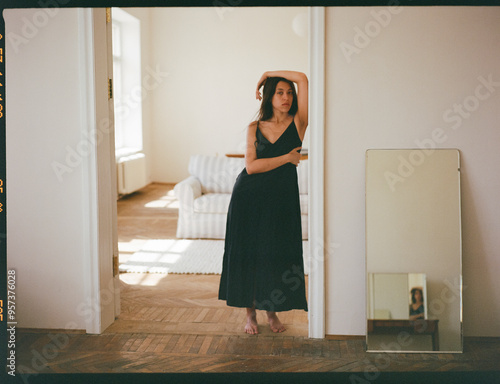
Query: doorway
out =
(317, 244)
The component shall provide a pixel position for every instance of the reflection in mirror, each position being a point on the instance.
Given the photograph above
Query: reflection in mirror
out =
(418, 292)
(397, 296)
(413, 251)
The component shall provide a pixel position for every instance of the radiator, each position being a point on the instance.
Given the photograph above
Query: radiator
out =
(131, 172)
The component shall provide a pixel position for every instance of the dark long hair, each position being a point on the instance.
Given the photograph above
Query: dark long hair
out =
(266, 108)
(413, 290)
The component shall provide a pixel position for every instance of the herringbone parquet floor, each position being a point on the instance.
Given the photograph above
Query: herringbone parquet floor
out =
(174, 323)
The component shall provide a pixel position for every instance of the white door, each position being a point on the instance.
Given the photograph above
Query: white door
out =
(102, 288)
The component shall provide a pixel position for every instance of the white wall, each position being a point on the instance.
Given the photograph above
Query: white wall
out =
(214, 59)
(45, 215)
(61, 202)
(399, 91)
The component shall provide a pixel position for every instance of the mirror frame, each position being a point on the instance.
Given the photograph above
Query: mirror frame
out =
(456, 287)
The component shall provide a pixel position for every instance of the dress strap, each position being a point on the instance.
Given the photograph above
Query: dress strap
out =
(256, 143)
(257, 131)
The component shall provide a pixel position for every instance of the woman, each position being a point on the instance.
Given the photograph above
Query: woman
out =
(417, 304)
(263, 264)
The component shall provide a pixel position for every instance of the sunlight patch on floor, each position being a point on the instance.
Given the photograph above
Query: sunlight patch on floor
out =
(167, 201)
(145, 279)
(154, 256)
(131, 246)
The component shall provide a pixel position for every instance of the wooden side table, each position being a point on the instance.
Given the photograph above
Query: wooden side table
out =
(413, 327)
(241, 155)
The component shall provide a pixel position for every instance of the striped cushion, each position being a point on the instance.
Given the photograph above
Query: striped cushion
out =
(304, 204)
(302, 170)
(216, 173)
(212, 203)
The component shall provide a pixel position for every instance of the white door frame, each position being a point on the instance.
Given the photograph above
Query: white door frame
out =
(316, 287)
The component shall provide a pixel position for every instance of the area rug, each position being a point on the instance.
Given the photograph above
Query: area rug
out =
(178, 256)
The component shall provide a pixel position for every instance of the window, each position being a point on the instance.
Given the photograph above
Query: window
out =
(127, 92)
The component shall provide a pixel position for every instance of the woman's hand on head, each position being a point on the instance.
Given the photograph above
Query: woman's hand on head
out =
(295, 156)
(261, 82)
(258, 96)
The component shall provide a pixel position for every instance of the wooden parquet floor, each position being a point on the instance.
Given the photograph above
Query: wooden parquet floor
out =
(175, 324)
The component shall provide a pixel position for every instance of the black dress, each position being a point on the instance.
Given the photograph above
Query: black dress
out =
(263, 261)
(418, 311)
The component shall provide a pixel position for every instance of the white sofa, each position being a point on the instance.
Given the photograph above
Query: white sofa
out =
(204, 196)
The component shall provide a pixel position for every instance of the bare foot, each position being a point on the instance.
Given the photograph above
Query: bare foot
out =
(275, 323)
(251, 326)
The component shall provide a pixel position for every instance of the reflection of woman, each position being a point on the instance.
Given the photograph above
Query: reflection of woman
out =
(263, 264)
(417, 304)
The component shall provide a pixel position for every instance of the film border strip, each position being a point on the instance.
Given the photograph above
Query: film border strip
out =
(3, 213)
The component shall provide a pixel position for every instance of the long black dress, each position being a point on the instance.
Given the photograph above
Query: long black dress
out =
(263, 261)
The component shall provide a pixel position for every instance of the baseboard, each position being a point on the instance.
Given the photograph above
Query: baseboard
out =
(482, 339)
(51, 330)
(345, 337)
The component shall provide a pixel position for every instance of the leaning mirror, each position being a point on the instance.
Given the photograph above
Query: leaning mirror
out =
(413, 251)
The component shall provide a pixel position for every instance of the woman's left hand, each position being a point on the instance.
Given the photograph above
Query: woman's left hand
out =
(260, 84)
(258, 96)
